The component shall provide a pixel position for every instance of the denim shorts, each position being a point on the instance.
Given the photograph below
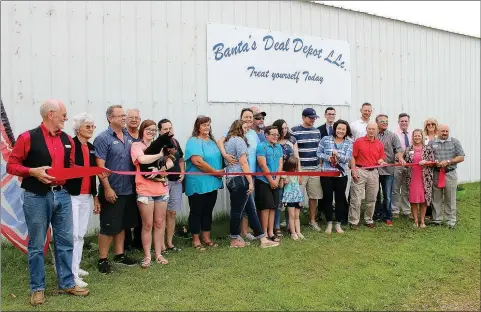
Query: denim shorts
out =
(146, 199)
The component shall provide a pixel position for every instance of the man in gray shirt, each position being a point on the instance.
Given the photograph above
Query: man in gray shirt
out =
(393, 151)
(448, 152)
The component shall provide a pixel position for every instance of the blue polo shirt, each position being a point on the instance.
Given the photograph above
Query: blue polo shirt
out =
(116, 154)
(210, 153)
(272, 153)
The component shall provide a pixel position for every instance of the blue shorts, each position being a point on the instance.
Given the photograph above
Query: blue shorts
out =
(175, 196)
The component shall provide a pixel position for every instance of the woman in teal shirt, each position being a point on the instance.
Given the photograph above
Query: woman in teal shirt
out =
(202, 155)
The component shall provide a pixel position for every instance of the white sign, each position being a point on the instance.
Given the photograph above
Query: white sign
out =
(262, 66)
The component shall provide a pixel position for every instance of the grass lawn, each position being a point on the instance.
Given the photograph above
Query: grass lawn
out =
(398, 268)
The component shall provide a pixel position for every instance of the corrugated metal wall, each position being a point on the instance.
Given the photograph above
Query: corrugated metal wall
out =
(152, 55)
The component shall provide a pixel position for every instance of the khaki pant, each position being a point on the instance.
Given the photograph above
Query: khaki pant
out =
(446, 195)
(400, 192)
(368, 182)
(312, 185)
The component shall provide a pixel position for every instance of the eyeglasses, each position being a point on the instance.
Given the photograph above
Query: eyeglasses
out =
(259, 118)
(134, 118)
(274, 135)
(89, 127)
(383, 121)
(151, 130)
(430, 124)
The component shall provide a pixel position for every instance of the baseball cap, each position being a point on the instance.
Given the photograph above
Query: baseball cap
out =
(309, 112)
(257, 111)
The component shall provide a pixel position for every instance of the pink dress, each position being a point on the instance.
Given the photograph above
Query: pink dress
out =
(416, 189)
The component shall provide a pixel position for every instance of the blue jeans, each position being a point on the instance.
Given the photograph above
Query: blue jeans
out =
(277, 216)
(242, 204)
(383, 208)
(40, 211)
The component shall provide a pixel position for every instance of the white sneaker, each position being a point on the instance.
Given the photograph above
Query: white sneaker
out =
(82, 273)
(268, 243)
(80, 283)
(315, 226)
(329, 228)
(339, 229)
(250, 237)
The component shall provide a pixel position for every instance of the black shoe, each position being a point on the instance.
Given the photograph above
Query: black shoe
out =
(378, 218)
(104, 267)
(124, 260)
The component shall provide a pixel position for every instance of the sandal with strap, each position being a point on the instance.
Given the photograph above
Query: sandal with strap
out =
(161, 260)
(145, 263)
(199, 247)
(211, 244)
(274, 239)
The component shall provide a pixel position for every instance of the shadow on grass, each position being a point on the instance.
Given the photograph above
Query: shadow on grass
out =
(398, 268)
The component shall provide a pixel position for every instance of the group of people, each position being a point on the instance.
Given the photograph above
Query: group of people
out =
(361, 154)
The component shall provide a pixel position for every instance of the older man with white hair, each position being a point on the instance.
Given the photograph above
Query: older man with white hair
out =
(448, 152)
(46, 200)
(367, 152)
(133, 123)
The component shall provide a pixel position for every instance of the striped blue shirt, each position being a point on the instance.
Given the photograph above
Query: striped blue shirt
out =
(307, 142)
(344, 152)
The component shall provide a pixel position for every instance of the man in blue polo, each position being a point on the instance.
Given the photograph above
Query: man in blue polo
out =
(308, 138)
(116, 192)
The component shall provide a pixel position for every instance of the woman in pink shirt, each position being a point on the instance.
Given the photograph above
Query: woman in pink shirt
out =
(152, 196)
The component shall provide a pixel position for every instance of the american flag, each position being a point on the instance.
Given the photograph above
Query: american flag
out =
(13, 226)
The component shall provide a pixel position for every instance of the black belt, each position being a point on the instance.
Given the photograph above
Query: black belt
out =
(55, 188)
(370, 169)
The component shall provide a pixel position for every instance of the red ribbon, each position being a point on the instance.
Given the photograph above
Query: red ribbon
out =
(442, 178)
(80, 172)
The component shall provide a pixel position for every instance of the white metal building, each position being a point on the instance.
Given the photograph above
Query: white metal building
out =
(152, 55)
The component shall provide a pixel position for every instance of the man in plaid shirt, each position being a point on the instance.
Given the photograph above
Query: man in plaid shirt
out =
(448, 152)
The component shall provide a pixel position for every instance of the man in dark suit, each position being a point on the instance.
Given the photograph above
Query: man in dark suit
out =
(330, 115)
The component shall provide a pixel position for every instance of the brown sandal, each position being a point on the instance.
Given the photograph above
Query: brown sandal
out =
(211, 244)
(161, 260)
(199, 247)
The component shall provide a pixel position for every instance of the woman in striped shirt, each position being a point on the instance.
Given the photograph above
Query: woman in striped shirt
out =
(335, 152)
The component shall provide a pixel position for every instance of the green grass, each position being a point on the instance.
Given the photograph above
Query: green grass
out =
(398, 268)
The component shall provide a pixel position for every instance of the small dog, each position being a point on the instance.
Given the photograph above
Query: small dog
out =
(162, 164)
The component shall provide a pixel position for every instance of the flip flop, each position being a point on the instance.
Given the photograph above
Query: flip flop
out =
(199, 247)
(173, 248)
(211, 244)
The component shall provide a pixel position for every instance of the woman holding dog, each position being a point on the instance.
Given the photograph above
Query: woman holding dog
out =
(152, 195)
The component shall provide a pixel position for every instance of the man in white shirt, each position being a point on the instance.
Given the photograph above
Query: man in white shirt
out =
(400, 193)
(358, 127)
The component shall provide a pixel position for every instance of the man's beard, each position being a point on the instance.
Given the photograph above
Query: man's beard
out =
(261, 126)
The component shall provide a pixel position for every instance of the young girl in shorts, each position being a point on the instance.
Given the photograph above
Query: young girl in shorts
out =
(293, 197)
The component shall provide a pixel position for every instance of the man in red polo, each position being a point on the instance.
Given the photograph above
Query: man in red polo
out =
(46, 201)
(367, 151)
